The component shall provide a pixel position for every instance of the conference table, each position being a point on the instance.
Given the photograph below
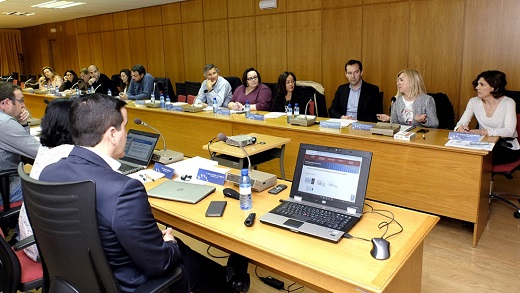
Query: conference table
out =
(323, 266)
(421, 174)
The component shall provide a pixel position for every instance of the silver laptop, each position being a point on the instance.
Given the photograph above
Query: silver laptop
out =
(138, 151)
(181, 191)
(327, 194)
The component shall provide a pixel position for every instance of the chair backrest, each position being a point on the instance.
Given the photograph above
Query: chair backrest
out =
(165, 85)
(180, 87)
(309, 93)
(191, 99)
(515, 95)
(445, 112)
(234, 82)
(64, 221)
(192, 88)
(181, 98)
(116, 84)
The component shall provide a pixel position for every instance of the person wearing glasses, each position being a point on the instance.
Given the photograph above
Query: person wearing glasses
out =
(15, 141)
(358, 99)
(84, 77)
(49, 79)
(99, 81)
(214, 87)
(252, 90)
(286, 92)
(141, 86)
(71, 80)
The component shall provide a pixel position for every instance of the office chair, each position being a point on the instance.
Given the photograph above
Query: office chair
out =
(192, 88)
(191, 99)
(234, 82)
(17, 271)
(180, 89)
(445, 112)
(182, 98)
(508, 169)
(64, 221)
(8, 210)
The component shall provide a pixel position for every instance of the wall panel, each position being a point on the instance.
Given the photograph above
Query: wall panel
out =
(174, 53)
(241, 8)
(271, 46)
(120, 20)
(83, 50)
(304, 44)
(122, 41)
(193, 43)
(94, 24)
(191, 11)
(96, 49)
(242, 45)
(81, 25)
(108, 43)
(341, 41)
(385, 44)
(135, 18)
(340, 3)
(153, 16)
(299, 5)
(214, 9)
(154, 51)
(171, 13)
(138, 54)
(106, 22)
(216, 44)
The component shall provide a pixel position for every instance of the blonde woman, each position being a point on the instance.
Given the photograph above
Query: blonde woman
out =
(50, 78)
(412, 106)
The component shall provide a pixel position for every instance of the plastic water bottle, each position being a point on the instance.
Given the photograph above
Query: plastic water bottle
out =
(109, 92)
(296, 110)
(168, 101)
(247, 108)
(215, 106)
(161, 101)
(92, 91)
(246, 201)
(78, 93)
(152, 98)
(57, 91)
(289, 112)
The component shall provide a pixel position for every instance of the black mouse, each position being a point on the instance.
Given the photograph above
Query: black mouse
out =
(380, 248)
(229, 192)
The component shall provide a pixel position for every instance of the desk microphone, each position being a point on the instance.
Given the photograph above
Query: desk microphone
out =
(98, 87)
(305, 121)
(72, 87)
(163, 156)
(10, 77)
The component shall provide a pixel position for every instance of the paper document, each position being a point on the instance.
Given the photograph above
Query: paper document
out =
(343, 122)
(274, 115)
(146, 175)
(486, 146)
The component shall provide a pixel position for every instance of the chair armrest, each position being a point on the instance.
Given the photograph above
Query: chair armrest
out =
(156, 285)
(10, 213)
(24, 243)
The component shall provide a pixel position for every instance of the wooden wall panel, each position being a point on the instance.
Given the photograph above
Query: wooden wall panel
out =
(108, 43)
(191, 11)
(340, 3)
(385, 45)
(171, 13)
(304, 44)
(70, 28)
(491, 41)
(299, 5)
(81, 25)
(193, 43)
(137, 42)
(94, 24)
(174, 53)
(242, 45)
(83, 50)
(96, 49)
(437, 17)
(60, 29)
(106, 22)
(69, 48)
(216, 44)
(135, 18)
(271, 46)
(120, 20)
(214, 9)
(122, 41)
(341, 41)
(154, 51)
(241, 8)
(153, 16)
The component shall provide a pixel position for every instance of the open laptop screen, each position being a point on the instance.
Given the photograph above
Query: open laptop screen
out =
(140, 146)
(333, 176)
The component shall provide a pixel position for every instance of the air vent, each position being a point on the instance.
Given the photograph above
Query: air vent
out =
(18, 13)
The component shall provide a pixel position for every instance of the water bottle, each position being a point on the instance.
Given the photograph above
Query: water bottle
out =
(248, 109)
(78, 93)
(161, 101)
(152, 98)
(288, 110)
(92, 91)
(57, 91)
(168, 101)
(246, 201)
(296, 110)
(215, 106)
(109, 92)
(46, 88)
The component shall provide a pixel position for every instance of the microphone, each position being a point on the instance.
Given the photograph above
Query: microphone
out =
(98, 87)
(305, 121)
(72, 87)
(222, 137)
(163, 156)
(10, 77)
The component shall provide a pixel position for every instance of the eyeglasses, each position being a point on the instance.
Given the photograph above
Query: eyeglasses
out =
(21, 101)
(252, 78)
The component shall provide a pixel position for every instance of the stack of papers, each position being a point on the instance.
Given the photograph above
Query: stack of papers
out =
(146, 175)
(342, 122)
(486, 146)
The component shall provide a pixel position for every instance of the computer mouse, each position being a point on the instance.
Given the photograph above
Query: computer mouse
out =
(380, 248)
(229, 192)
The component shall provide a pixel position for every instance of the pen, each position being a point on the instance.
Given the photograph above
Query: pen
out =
(148, 176)
(423, 136)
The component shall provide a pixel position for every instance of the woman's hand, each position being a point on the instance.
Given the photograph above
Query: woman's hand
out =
(383, 117)
(421, 118)
(479, 131)
(462, 128)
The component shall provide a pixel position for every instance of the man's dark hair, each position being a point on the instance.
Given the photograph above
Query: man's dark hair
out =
(244, 76)
(56, 124)
(352, 62)
(92, 115)
(139, 68)
(7, 90)
(496, 79)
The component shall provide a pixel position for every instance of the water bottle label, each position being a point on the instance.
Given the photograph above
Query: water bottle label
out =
(245, 190)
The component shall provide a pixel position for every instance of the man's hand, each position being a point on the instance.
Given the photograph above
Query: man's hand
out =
(22, 119)
(91, 81)
(168, 235)
(123, 96)
(210, 85)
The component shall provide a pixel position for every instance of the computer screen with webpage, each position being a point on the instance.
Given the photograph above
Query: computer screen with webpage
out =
(330, 175)
(139, 146)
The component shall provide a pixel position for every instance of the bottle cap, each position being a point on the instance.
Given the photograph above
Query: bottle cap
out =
(244, 172)
(296, 104)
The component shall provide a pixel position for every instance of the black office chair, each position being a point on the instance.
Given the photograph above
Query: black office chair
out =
(64, 221)
(192, 88)
(234, 82)
(180, 88)
(165, 86)
(445, 111)
(9, 210)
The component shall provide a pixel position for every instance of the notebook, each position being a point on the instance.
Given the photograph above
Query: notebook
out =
(329, 183)
(138, 151)
(181, 191)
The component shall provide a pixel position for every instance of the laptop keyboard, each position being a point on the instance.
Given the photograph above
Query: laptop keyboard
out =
(125, 168)
(312, 215)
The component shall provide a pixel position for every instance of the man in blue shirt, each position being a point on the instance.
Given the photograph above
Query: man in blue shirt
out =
(141, 86)
(215, 86)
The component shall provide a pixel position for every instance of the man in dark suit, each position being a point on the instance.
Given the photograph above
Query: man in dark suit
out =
(99, 81)
(357, 99)
(135, 247)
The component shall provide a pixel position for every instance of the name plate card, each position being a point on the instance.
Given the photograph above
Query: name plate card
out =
(211, 176)
(224, 111)
(464, 136)
(329, 124)
(173, 108)
(361, 126)
(258, 117)
(167, 171)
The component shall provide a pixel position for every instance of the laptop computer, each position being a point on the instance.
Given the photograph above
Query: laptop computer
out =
(181, 191)
(328, 192)
(138, 151)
